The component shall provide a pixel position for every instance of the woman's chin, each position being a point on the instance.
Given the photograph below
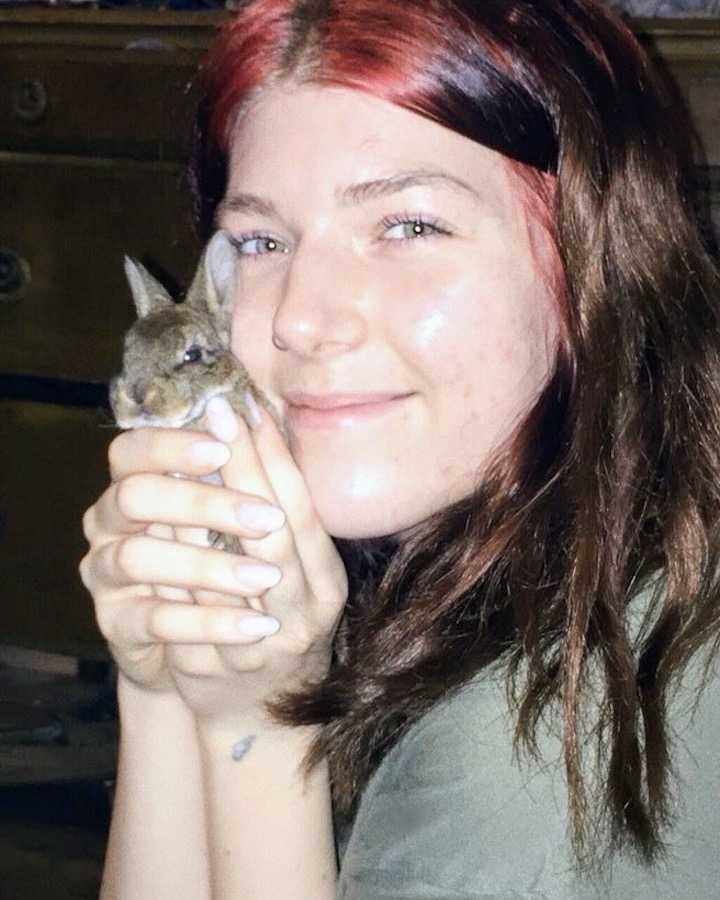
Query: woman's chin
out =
(365, 504)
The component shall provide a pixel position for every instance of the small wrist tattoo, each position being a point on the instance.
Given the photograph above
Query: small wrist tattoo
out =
(242, 748)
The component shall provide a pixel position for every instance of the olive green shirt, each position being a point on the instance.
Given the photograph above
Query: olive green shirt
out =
(450, 813)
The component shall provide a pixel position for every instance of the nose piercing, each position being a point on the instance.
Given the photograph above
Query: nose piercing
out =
(278, 344)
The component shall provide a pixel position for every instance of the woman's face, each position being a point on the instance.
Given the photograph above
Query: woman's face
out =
(390, 300)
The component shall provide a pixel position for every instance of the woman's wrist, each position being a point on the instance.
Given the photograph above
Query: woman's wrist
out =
(227, 735)
(158, 840)
(270, 820)
(144, 709)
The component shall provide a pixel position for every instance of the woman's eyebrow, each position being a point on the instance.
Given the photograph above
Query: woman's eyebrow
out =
(244, 202)
(354, 194)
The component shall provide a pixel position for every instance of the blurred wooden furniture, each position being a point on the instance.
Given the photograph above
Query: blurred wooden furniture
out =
(95, 118)
(689, 49)
(95, 112)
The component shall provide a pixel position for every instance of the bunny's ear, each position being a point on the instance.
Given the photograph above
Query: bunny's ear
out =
(149, 295)
(214, 282)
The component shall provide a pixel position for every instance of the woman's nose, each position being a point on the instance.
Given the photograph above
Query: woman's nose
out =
(324, 308)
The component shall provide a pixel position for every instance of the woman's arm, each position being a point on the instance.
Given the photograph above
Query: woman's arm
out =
(141, 580)
(271, 827)
(157, 848)
(197, 643)
(269, 824)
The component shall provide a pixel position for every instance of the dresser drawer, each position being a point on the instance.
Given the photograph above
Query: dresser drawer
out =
(66, 223)
(54, 466)
(133, 103)
(700, 89)
(703, 93)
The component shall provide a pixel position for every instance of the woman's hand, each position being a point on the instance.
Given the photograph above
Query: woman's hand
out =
(140, 576)
(179, 616)
(307, 601)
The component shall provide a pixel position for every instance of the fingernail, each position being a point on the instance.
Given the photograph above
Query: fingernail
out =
(259, 516)
(254, 417)
(257, 576)
(222, 420)
(208, 454)
(257, 626)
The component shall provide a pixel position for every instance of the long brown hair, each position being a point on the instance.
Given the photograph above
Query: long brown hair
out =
(613, 476)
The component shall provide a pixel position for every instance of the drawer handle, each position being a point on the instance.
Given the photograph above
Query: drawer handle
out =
(149, 43)
(29, 100)
(14, 276)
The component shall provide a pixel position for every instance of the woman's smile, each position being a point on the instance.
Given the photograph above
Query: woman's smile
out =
(341, 410)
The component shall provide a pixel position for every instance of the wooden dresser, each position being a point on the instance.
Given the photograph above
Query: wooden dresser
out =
(95, 111)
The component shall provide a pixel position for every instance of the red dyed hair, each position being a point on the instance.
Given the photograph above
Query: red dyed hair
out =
(427, 56)
(418, 54)
(430, 58)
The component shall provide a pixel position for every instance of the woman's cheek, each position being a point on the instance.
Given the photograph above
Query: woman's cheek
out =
(442, 321)
(251, 341)
(435, 305)
(363, 496)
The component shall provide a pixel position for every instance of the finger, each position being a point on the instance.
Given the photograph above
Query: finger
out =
(166, 592)
(263, 464)
(152, 622)
(163, 450)
(245, 474)
(140, 559)
(196, 660)
(244, 471)
(129, 505)
(320, 560)
(196, 537)
(160, 530)
(199, 538)
(216, 598)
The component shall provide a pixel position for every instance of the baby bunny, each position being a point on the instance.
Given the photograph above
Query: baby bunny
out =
(177, 355)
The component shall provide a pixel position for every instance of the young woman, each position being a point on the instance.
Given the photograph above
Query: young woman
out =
(478, 607)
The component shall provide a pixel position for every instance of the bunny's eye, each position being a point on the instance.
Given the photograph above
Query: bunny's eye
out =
(192, 354)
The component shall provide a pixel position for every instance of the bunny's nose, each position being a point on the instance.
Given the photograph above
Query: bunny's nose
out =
(151, 398)
(137, 392)
(144, 395)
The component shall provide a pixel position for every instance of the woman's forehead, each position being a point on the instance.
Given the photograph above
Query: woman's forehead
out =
(357, 140)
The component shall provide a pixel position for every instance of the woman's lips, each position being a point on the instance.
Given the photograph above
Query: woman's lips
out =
(332, 410)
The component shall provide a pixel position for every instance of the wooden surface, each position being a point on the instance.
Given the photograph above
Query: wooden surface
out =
(72, 218)
(54, 464)
(100, 102)
(96, 174)
(108, 27)
(36, 703)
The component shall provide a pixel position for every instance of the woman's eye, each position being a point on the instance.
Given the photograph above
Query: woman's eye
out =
(409, 228)
(258, 245)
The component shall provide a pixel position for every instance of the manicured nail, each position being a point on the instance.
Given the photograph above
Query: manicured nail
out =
(259, 517)
(257, 576)
(257, 626)
(222, 420)
(208, 453)
(253, 410)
